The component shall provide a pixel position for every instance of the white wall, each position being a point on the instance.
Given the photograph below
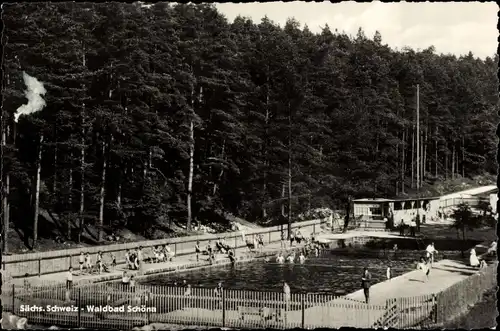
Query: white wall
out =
(493, 202)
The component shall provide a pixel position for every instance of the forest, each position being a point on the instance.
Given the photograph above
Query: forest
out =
(170, 113)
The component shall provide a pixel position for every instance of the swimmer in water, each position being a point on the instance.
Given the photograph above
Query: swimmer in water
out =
(280, 258)
(302, 258)
(291, 258)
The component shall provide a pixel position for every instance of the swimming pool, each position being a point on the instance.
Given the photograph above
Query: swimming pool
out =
(334, 272)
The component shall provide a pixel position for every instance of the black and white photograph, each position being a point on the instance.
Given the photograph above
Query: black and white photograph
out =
(169, 165)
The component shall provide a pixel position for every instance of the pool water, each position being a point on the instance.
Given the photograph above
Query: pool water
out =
(334, 273)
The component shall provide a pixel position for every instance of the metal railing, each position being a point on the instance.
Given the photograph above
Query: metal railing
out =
(42, 263)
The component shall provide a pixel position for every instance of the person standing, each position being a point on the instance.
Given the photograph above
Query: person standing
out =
(286, 295)
(413, 226)
(388, 273)
(113, 260)
(366, 282)
(417, 222)
(197, 250)
(139, 260)
(430, 251)
(69, 283)
(402, 228)
(81, 261)
(88, 263)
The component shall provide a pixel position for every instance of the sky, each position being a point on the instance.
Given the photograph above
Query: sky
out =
(451, 27)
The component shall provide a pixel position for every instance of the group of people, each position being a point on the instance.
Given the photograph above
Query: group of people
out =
(85, 262)
(134, 258)
(256, 243)
(220, 247)
(162, 254)
(413, 226)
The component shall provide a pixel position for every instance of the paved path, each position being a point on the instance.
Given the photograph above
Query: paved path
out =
(443, 274)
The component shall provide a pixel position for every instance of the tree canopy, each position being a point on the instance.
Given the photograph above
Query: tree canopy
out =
(135, 94)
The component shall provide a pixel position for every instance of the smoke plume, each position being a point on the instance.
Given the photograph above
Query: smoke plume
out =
(34, 92)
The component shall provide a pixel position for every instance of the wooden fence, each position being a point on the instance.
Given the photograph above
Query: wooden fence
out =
(144, 304)
(457, 298)
(42, 263)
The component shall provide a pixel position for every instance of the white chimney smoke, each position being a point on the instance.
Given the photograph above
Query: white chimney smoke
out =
(33, 93)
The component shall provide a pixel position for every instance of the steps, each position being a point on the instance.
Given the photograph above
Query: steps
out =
(372, 225)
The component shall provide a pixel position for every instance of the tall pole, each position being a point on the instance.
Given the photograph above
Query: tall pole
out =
(418, 138)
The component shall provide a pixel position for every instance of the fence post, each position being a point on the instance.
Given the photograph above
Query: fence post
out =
(148, 303)
(434, 307)
(13, 298)
(223, 308)
(303, 308)
(39, 266)
(79, 308)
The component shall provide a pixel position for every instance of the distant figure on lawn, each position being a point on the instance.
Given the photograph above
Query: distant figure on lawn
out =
(366, 283)
(388, 273)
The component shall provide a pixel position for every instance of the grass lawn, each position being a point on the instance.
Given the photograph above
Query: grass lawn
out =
(481, 316)
(439, 231)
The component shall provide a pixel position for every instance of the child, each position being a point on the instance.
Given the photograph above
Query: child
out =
(424, 267)
(156, 254)
(128, 259)
(88, 264)
(388, 273)
(125, 278)
(113, 260)
(69, 278)
(168, 253)
(209, 248)
(81, 261)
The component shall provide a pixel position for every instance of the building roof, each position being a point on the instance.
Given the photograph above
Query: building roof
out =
(474, 191)
(375, 200)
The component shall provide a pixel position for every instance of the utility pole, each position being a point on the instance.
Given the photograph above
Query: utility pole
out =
(418, 138)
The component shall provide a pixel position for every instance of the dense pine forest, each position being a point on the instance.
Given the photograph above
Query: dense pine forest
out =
(166, 114)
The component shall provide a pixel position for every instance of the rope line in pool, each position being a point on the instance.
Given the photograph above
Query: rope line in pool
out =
(335, 266)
